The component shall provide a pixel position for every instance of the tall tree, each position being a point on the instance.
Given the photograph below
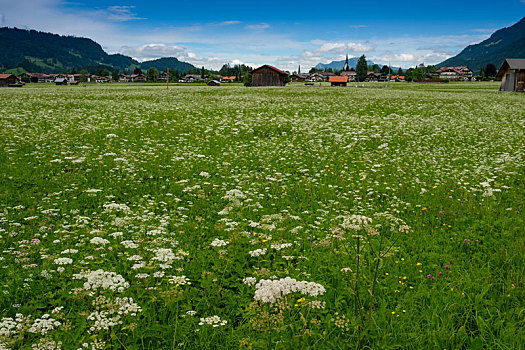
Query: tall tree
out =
(203, 72)
(386, 69)
(490, 70)
(361, 68)
(114, 75)
(137, 71)
(84, 74)
(153, 74)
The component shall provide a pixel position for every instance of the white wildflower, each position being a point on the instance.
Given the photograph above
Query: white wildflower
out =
(99, 241)
(268, 291)
(218, 243)
(257, 252)
(214, 321)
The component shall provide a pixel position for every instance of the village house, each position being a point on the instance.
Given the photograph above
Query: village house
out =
(267, 75)
(138, 78)
(228, 79)
(124, 78)
(351, 74)
(214, 83)
(455, 73)
(512, 74)
(164, 76)
(326, 75)
(297, 77)
(376, 77)
(7, 79)
(192, 78)
(317, 76)
(338, 80)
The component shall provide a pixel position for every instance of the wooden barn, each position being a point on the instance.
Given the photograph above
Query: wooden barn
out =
(268, 76)
(7, 79)
(512, 74)
(60, 81)
(214, 83)
(338, 80)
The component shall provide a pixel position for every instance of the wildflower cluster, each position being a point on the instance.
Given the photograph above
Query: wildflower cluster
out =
(268, 291)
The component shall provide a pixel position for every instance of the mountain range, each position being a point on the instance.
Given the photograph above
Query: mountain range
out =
(504, 43)
(34, 51)
(338, 65)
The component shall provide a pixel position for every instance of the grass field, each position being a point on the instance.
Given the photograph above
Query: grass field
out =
(135, 217)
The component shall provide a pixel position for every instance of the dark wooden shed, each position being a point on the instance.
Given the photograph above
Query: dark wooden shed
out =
(7, 79)
(60, 81)
(512, 74)
(268, 76)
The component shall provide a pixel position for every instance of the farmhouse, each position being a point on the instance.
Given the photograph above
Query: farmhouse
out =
(164, 76)
(6, 79)
(268, 76)
(297, 77)
(191, 78)
(138, 77)
(123, 78)
(214, 83)
(512, 72)
(351, 74)
(338, 81)
(455, 73)
(373, 76)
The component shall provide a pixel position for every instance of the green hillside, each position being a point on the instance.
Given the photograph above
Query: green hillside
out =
(504, 43)
(171, 62)
(34, 51)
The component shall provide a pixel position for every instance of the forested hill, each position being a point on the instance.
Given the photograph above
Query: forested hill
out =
(504, 43)
(34, 51)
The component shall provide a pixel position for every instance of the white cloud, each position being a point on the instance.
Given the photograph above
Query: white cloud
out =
(122, 14)
(357, 26)
(226, 23)
(399, 57)
(343, 47)
(2, 18)
(485, 30)
(151, 51)
(259, 26)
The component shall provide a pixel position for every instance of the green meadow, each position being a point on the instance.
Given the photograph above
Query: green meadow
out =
(195, 217)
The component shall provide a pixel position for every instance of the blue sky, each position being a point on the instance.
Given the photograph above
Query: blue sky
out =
(282, 33)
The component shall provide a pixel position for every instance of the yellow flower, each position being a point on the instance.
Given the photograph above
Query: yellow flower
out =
(393, 312)
(419, 264)
(404, 310)
(386, 274)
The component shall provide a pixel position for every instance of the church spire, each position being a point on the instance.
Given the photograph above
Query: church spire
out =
(346, 68)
